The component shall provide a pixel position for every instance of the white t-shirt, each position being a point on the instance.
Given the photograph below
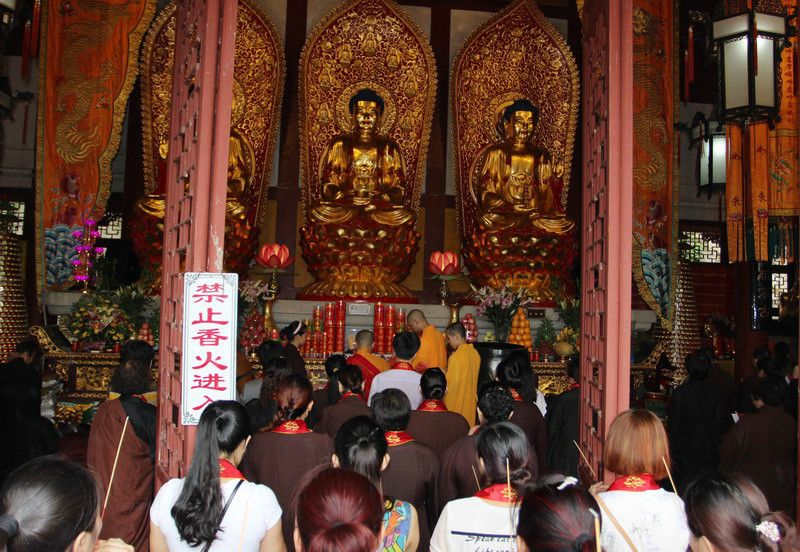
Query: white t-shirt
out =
(654, 520)
(475, 525)
(254, 510)
(406, 381)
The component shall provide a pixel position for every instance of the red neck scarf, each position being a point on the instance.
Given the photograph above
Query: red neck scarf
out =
(635, 483)
(402, 365)
(397, 438)
(515, 395)
(228, 470)
(499, 492)
(432, 405)
(573, 386)
(291, 427)
(350, 394)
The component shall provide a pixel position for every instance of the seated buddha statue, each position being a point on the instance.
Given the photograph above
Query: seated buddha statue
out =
(518, 182)
(362, 174)
(238, 177)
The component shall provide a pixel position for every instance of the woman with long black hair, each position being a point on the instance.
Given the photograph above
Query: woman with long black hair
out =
(467, 523)
(262, 409)
(350, 383)
(295, 337)
(214, 508)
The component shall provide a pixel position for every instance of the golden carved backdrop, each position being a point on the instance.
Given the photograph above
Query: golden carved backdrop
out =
(373, 44)
(258, 89)
(517, 54)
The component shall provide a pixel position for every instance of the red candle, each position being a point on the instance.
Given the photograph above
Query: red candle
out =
(401, 320)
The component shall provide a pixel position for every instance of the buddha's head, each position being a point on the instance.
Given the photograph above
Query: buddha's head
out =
(520, 120)
(366, 109)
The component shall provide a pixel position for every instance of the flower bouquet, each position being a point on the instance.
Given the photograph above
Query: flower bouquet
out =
(498, 306)
(98, 323)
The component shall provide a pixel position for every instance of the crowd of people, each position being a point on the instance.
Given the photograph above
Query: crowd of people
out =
(411, 455)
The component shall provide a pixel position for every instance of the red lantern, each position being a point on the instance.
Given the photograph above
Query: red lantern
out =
(444, 264)
(274, 256)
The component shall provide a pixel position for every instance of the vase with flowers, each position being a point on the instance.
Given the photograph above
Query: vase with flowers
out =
(498, 306)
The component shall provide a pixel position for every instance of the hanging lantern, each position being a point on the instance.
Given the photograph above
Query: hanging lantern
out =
(748, 37)
(709, 138)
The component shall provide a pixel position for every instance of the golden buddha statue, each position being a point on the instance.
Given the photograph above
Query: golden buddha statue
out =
(239, 175)
(362, 174)
(517, 181)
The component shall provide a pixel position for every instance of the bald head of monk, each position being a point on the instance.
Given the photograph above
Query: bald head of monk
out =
(365, 340)
(416, 321)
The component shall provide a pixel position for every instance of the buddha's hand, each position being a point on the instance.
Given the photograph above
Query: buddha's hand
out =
(331, 192)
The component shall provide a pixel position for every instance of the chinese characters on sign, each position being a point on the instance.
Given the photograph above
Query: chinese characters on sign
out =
(208, 370)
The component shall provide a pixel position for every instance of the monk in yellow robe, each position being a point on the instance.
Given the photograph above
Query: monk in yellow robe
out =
(462, 374)
(433, 350)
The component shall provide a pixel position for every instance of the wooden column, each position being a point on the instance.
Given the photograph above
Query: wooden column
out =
(194, 223)
(607, 220)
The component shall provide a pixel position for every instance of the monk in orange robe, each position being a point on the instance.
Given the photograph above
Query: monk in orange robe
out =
(371, 364)
(462, 374)
(433, 350)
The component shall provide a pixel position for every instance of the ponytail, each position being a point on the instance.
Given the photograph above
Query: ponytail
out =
(333, 364)
(293, 394)
(433, 384)
(504, 450)
(198, 510)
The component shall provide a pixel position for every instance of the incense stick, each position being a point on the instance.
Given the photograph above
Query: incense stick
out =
(669, 473)
(477, 481)
(114, 468)
(585, 460)
(596, 517)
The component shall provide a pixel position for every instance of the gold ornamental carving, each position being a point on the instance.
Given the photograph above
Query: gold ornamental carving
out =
(367, 89)
(259, 71)
(515, 91)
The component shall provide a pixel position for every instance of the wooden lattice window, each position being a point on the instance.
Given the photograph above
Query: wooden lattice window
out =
(701, 246)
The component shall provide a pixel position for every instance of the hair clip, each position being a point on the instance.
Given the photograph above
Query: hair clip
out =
(770, 530)
(569, 481)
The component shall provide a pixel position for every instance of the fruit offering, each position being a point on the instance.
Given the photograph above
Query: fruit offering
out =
(472, 328)
(520, 330)
(146, 334)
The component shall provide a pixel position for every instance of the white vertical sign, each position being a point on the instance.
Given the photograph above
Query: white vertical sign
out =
(208, 364)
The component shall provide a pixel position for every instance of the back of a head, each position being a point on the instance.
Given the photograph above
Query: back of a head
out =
(515, 372)
(30, 345)
(456, 329)
(275, 370)
(333, 364)
(574, 368)
(433, 384)
(495, 402)
(360, 445)
(391, 409)
(294, 329)
(131, 378)
(350, 378)
(198, 511)
(504, 450)
(770, 390)
(636, 444)
(406, 345)
(732, 513)
(556, 516)
(268, 350)
(698, 365)
(365, 338)
(46, 504)
(137, 350)
(416, 316)
(293, 394)
(339, 510)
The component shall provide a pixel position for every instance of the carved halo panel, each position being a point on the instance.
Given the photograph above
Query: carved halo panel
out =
(367, 44)
(518, 53)
(259, 71)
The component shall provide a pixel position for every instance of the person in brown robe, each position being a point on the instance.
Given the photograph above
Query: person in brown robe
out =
(516, 373)
(329, 394)
(295, 337)
(350, 405)
(763, 446)
(458, 473)
(413, 471)
(432, 423)
(127, 515)
(282, 453)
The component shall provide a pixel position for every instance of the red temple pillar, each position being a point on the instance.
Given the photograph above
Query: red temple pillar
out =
(607, 220)
(194, 222)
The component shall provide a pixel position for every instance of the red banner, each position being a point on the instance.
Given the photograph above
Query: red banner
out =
(89, 61)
